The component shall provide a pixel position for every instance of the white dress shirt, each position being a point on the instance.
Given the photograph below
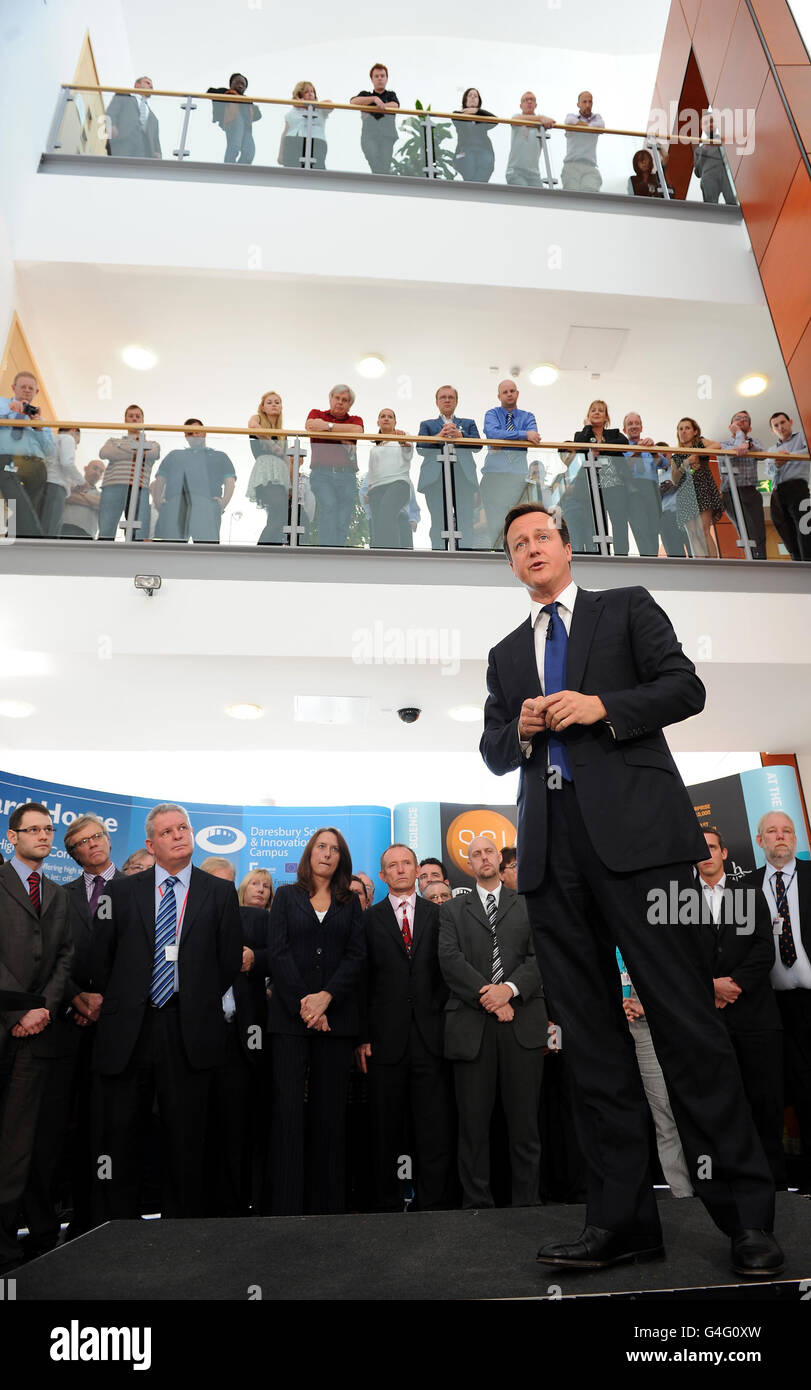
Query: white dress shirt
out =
(714, 896)
(181, 890)
(540, 622)
(799, 975)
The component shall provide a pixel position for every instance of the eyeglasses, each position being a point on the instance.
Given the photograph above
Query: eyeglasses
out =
(88, 840)
(35, 830)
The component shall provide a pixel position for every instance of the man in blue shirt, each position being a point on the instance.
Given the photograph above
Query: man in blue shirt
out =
(644, 497)
(192, 488)
(23, 451)
(448, 426)
(505, 472)
(790, 506)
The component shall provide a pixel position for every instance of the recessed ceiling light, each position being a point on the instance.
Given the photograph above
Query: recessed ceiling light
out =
(753, 385)
(466, 714)
(139, 358)
(17, 662)
(16, 709)
(245, 711)
(371, 366)
(330, 709)
(544, 374)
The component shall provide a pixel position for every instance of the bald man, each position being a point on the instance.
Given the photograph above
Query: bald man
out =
(505, 472)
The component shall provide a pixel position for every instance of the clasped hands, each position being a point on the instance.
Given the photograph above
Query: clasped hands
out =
(726, 991)
(558, 711)
(497, 999)
(313, 1010)
(31, 1023)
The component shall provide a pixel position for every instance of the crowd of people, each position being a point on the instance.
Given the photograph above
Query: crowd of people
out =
(666, 496)
(312, 1050)
(134, 132)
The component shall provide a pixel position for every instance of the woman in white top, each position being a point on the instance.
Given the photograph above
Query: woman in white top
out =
(271, 477)
(62, 477)
(388, 478)
(292, 148)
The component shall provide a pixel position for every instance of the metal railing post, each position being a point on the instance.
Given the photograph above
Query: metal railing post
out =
(307, 162)
(294, 529)
(601, 537)
(59, 115)
(656, 156)
(132, 521)
(430, 171)
(451, 535)
(729, 483)
(186, 106)
(550, 180)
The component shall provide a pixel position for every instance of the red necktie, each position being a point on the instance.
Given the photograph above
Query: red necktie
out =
(405, 928)
(33, 891)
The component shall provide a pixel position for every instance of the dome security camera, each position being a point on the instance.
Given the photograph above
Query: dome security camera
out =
(409, 715)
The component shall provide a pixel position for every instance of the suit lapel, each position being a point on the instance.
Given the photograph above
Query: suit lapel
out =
(393, 926)
(198, 892)
(527, 680)
(144, 890)
(14, 885)
(587, 613)
(475, 907)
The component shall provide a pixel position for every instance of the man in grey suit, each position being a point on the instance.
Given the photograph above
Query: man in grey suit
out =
(36, 953)
(133, 127)
(495, 1026)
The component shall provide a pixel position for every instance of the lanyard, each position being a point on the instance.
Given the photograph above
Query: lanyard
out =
(179, 922)
(785, 885)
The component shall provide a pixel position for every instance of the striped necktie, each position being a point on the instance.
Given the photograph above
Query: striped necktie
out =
(785, 941)
(163, 971)
(509, 423)
(497, 974)
(33, 891)
(405, 929)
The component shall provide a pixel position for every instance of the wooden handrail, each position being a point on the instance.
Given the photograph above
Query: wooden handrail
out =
(560, 445)
(400, 111)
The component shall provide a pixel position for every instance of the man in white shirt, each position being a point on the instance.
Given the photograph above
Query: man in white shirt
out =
(580, 173)
(525, 144)
(787, 888)
(495, 1026)
(790, 504)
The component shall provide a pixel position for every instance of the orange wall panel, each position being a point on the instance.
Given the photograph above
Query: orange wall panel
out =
(675, 53)
(780, 32)
(740, 82)
(799, 370)
(690, 9)
(786, 268)
(764, 177)
(711, 39)
(797, 87)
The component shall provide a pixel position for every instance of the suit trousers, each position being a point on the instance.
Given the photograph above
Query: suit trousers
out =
(324, 1063)
(418, 1086)
(644, 514)
(580, 913)
(790, 513)
(795, 1014)
(752, 508)
(463, 491)
(158, 1067)
(71, 1093)
(760, 1059)
(234, 1124)
(22, 1081)
(502, 1062)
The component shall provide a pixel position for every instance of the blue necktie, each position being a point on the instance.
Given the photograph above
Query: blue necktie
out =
(509, 423)
(163, 971)
(554, 679)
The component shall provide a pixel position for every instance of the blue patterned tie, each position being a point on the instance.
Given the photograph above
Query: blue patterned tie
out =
(509, 424)
(554, 679)
(163, 971)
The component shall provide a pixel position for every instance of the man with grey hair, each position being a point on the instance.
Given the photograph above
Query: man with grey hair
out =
(334, 466)
(167, 944)
(139, 860)
(70, 1084)
(133, 127)
(787, 889)
(24, 453)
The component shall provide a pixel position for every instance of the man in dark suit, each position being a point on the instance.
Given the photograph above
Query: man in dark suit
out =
(740, 941)
(787, 890)
(402, 1029)
(238, 1102)
(495, 1027)
(166, 946)
(70, 1083)
(448, 426)
(35, 958)
(607, 839)
(133, 127)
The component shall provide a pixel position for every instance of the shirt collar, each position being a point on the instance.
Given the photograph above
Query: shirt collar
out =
(183, 875)
(484, 893)
(397, 898)
(90, 879)
(23, 871)
(566, 600)
(714, 887)
(787, 869)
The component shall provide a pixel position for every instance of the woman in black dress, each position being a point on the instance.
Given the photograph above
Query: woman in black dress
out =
(698, 501)
(316, 951)
(614, 470)
(474, 158)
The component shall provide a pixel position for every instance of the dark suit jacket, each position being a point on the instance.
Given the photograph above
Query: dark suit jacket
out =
(82, 931)
(466, 961)
(307, 956)
(36, 952)
(746, 956)
(400, 988)
(431, 470)
(635, 806)
(122, 957)
(132, 137)
(249, 986)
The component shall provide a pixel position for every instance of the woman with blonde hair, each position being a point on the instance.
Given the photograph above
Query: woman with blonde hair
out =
(256, 889)
(698, 501)
(613, 474)
(293, 145)
(271, 478)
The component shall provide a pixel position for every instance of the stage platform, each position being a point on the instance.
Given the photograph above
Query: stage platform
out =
(454, 1255)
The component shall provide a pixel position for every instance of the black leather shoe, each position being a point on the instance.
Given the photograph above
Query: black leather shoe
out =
(598, 1249)
(756, 1255)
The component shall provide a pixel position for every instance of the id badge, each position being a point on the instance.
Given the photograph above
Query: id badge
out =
(171, 952)
(777, 925)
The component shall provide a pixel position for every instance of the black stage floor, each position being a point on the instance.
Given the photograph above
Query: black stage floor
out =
(452, 1255)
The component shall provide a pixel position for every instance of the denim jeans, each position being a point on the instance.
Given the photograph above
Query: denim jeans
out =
(336, 492)
(115, 499)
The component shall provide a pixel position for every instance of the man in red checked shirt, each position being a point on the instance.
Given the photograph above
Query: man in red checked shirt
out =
(334, 466)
